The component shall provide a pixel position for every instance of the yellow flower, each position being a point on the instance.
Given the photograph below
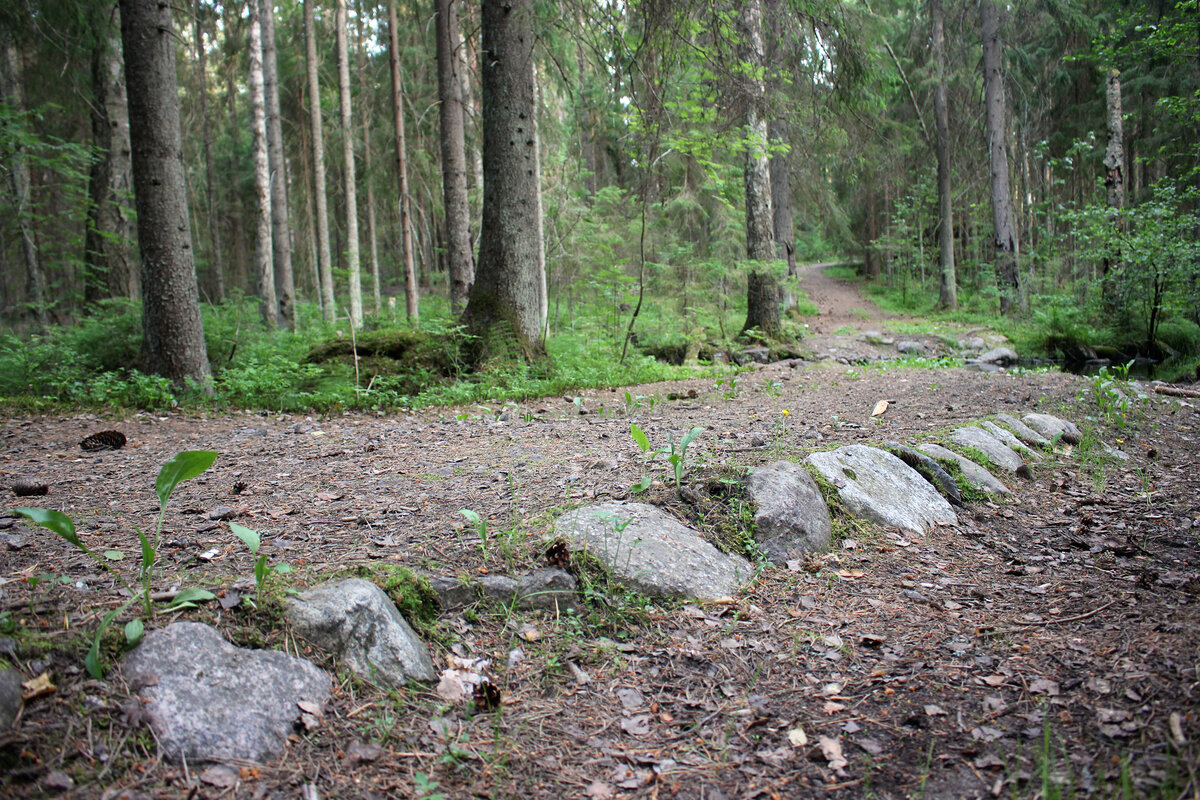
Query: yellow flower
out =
(785, 412)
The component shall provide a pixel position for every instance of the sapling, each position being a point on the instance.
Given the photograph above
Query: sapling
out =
(643, 443)
(182, 467)
(262, 570)
(678, 454)
(480, 525)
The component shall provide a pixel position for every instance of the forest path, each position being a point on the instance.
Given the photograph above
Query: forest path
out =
(842, 303)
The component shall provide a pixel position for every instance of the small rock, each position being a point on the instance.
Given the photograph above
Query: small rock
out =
(354, 619)
(976, 475)
(57, 781)
(792, 518)
(552, 589)
(1023, 432)
(1050, 426)
(451, 593)
(499, 588)
(10, 697)
(996, 451)
(999, 356)
(222, 513)
(909, 346)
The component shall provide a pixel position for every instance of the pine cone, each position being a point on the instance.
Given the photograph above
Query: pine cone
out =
(104, 440)
(29, 487)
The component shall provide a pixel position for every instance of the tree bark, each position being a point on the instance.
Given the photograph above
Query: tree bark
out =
(281, 234)
(19, 178)
(173, 335)
(263, 251)
(762, 297)
(781, 186)
(454, 158)
(1114, 153)
(411, 299)
(948, 283)
(364, 109)
(216, 259)
(353, 267)
(110, 271)
(505, 307)
(1004, 237)
(324, 251)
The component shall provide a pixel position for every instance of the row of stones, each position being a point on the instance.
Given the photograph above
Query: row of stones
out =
(208, 700)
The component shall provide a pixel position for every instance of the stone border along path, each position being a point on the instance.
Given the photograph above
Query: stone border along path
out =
(207, 700)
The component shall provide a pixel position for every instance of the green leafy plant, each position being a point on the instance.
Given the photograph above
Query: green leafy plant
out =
(262, 570)
(1106, 391)
(643, 443)
(480, 525)
(678, 454)
(182, 467)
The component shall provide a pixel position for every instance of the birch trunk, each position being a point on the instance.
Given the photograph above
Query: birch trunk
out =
(364, 109)
(264, 268)
(454, 159)
(281, 234)
(324, 251)
(353, 267)
(411, 299)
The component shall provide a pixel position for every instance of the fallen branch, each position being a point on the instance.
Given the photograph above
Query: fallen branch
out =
(1176, 391)
(1075, 618)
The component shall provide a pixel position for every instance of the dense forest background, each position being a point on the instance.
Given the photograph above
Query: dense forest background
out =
(1039, 159)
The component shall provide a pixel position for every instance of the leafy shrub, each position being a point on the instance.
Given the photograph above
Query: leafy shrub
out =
(1181, 335)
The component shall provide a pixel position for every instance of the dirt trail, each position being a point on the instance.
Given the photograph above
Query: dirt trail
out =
(841, 302)
(892, 667)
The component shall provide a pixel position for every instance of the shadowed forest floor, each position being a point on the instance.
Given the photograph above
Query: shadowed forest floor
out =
(1046, 646)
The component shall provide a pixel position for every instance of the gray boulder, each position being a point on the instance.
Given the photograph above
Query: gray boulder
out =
(498, 588)
(909, 346)
(355, 620)
(972, 343)
(552, 589)
(929, 469)
(1050, 426)
(1005, 437)
(1023, 432)
(1000, 356)
(975, 475)
(877, 486)
(651, 551)
(451, 593)
(996, 451)
(207, 700)
(792, 518)
(10, 697)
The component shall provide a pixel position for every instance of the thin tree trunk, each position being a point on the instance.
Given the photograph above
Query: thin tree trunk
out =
(454, 160)
(110, 188)
(948, 283)
(236, 207)
(505, 306)
(762, 298)
(18, 175)
(281, 234)
(263, 253)
(411, 299)
(324, 252)
(173, 335)
(216, 256)
(310, 214)
(1004, 237)
(353, 268)
(781, 186)
(364, 109)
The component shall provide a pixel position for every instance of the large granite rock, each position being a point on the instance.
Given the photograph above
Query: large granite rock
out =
(207, 700)
(1023, 432)
(10, 697)
(651, 551)
(929, 469)
(878, 486)
(1050, 426)
(1000, 356)
(976, 475)
(792, 518)
(358, 622)
(992, 448)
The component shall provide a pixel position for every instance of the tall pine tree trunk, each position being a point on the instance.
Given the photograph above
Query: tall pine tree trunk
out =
(19, 179)
(263, 252)
(1114, 175)
(173, 335)
(505, 306)
(762, 298)
(948, 283)
(781, 185)
(353, 268)
(110, 271)
(454, 158)
(1004, 237)
(216, 255)
(324, 250)
(411, 298)
(281, 234)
